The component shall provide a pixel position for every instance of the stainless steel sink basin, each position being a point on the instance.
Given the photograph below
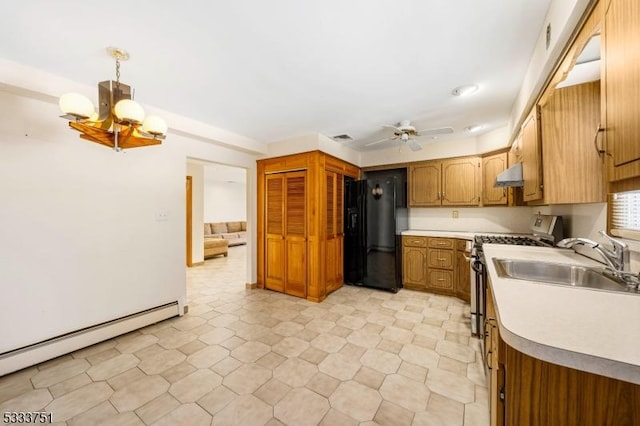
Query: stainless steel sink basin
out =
(559, 273)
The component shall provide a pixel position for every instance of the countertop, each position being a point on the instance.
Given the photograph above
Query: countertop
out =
(589, 330)
(464, 235)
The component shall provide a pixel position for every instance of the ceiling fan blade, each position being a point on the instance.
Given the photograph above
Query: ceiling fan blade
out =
(435, 131)
(389, 126)
(415, 146)
(377, 142)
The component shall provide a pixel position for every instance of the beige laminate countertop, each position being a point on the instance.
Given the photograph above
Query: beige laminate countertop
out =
(444, 234)
(589, 330)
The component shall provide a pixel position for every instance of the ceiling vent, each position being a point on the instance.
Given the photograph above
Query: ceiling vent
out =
(342, 137)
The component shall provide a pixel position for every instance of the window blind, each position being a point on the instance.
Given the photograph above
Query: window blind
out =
(625, 214)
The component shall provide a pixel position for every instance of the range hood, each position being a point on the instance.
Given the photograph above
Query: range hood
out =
(510, 177)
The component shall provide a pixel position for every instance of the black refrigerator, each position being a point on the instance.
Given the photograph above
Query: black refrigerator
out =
(375, 216)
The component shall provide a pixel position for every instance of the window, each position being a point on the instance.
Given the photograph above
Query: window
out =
(624, 214)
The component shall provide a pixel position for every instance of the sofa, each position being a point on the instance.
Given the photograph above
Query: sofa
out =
(234, 232)
(215, 247)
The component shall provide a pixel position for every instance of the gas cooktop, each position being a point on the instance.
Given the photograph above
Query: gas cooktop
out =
(509, 239)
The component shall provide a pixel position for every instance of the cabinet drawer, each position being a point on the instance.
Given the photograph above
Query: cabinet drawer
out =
(440, 259)
(410, 241)
(443, 243)
(440, 279)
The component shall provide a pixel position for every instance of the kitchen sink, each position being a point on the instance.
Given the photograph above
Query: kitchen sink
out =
(562, 274)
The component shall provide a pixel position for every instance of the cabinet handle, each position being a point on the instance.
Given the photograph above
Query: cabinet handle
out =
(489, 354)
(440, 279)
(441, 259)
(595, 140)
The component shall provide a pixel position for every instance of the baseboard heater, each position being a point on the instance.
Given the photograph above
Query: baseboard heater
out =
(27, 356)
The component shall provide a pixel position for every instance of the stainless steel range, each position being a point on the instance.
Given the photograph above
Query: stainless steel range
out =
(546, 230)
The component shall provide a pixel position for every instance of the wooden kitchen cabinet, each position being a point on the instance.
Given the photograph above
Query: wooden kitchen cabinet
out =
(571, 162)
(424, 184)
(524, 390)
(621, 88)
(462, 272)
(440, 265)
(494, 358)
(414, 259)
(299, 223)
(429, 264)
(452, 182)
(532, 157)
(492, 166)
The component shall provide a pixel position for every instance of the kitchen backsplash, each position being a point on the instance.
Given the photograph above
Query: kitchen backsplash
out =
(483, 219)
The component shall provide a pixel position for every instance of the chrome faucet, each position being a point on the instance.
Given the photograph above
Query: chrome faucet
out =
(617, 259)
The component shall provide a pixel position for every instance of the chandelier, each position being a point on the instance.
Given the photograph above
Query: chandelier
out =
(120, 122)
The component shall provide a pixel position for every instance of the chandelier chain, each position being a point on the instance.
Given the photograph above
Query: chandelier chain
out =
(117, 73)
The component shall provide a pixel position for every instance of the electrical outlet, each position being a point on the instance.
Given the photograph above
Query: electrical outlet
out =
(454, 214)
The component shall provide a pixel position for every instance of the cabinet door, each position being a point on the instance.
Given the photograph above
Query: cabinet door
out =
(461, 182)
(334, 231)
(424, 185)
(491, 167)
(414, 267)
(296, 235)
(463, 275)
(275, 230)
(573, 167)
(531, 157)
(622, 87)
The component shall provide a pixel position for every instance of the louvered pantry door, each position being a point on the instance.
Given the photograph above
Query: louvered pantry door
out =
(275, 225)
(286, 245)
(295, 235)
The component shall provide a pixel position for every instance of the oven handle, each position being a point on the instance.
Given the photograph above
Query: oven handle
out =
(474, 266)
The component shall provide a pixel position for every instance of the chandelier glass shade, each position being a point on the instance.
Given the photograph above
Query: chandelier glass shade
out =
(120, 122)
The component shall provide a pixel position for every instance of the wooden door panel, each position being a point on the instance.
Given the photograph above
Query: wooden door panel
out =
(296, 273)
(460, 182)
(414, 268)
(532, 157)
(424, 185)
(491, 167)
(275, 264)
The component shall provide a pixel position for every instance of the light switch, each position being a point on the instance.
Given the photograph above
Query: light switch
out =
(162, 216)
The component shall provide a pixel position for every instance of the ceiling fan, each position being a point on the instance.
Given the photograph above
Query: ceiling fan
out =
(406, 133)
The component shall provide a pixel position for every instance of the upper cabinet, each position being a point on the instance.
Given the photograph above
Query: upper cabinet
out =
(492, 166)
(453, 182)
(621, 88)
(531, 157)
(571, 157)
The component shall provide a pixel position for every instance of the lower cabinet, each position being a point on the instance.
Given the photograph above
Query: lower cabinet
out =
(432, 264)
(524, 390)
(462, 276)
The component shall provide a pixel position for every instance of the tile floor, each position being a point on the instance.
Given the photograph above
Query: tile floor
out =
(254, 357)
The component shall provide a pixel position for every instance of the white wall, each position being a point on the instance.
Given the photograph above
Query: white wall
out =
(225, 193)
(563, 16)
(80, 242)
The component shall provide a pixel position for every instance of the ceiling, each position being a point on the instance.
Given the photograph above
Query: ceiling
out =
(277, 69)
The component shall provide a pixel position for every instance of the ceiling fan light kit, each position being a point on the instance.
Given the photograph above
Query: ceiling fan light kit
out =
(120, 122)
